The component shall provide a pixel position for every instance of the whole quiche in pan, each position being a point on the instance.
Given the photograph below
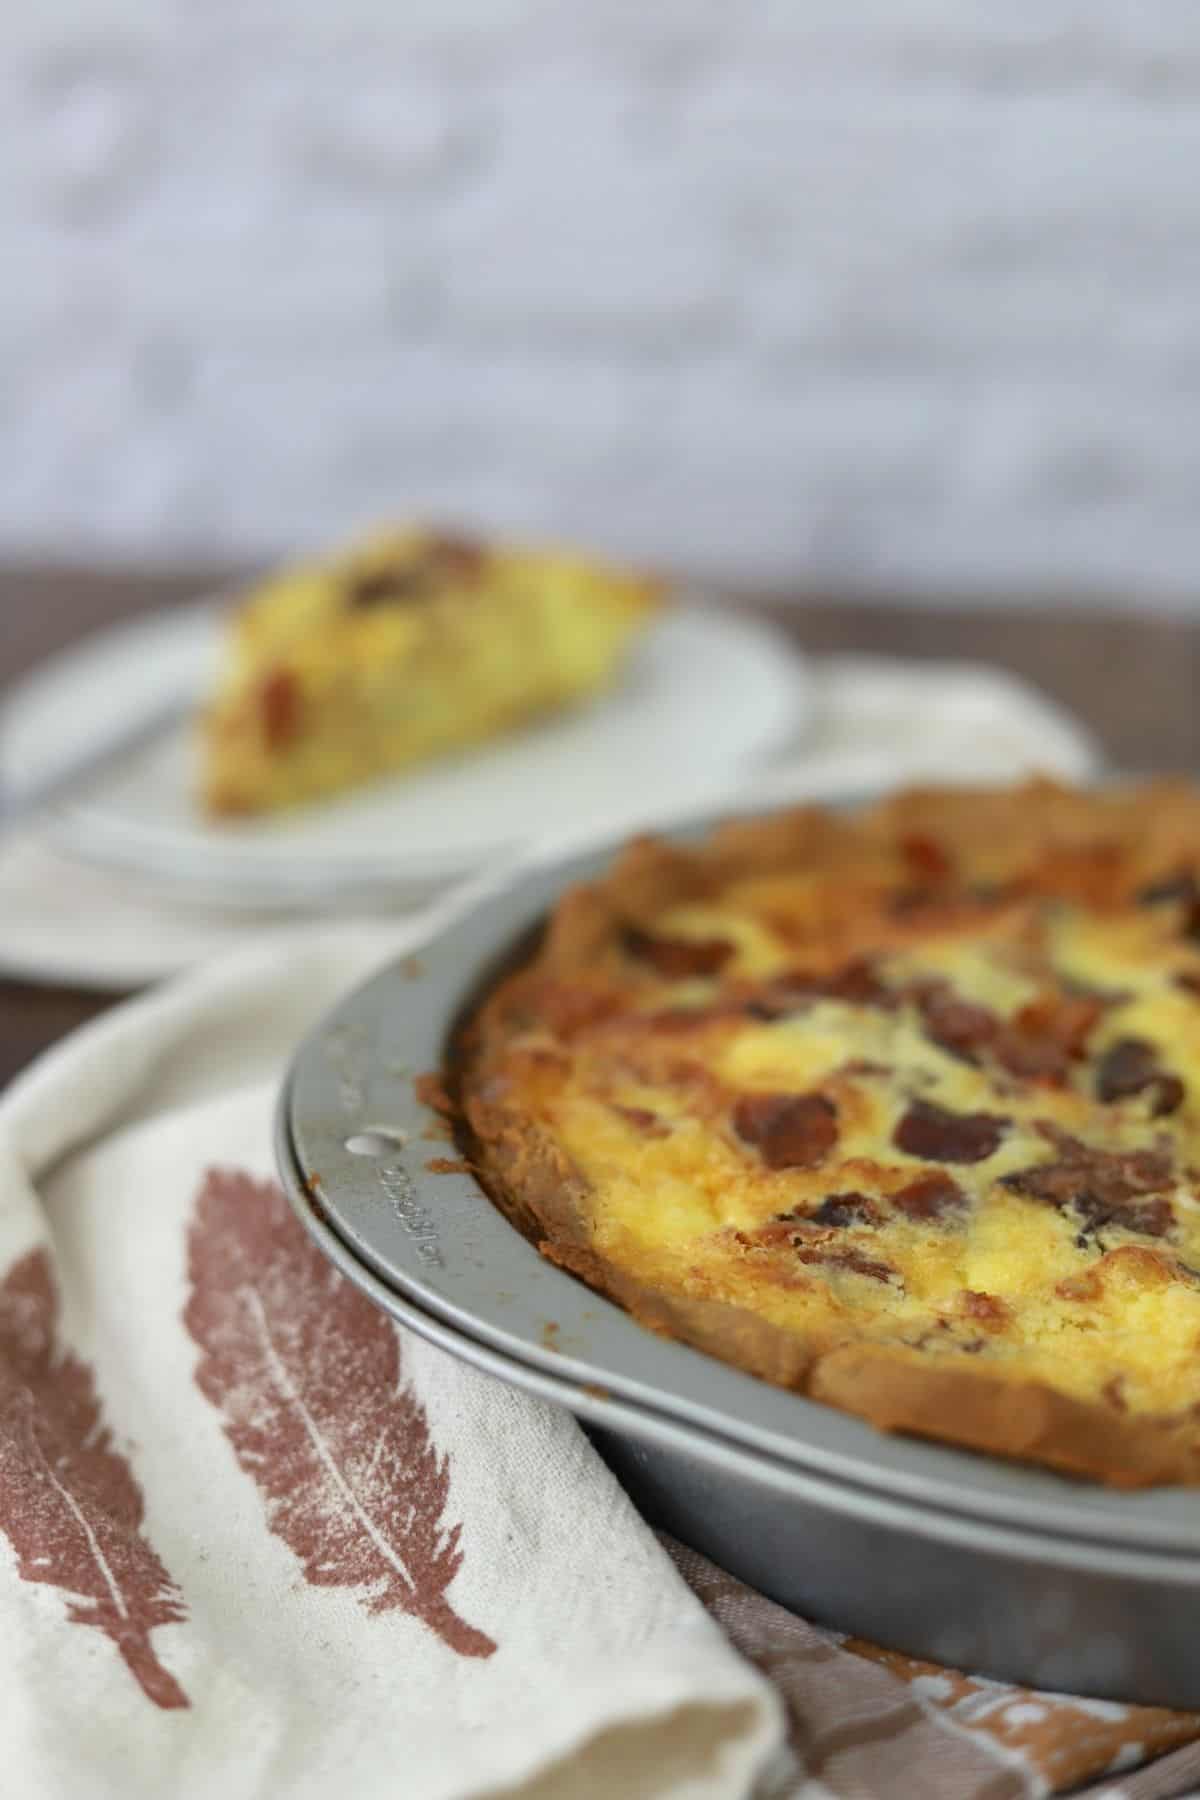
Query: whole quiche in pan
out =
(897, 1108)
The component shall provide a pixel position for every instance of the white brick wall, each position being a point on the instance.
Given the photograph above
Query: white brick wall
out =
(904, 297)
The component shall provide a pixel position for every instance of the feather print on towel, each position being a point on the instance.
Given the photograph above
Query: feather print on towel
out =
(305, 1372)
(69, 1503)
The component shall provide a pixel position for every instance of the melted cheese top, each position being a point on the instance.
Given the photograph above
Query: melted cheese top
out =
(968, 1126)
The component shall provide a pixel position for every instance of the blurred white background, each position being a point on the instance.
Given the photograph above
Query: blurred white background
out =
(901, 298)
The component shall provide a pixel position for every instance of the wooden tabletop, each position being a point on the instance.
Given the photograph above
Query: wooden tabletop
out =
(1132, 678)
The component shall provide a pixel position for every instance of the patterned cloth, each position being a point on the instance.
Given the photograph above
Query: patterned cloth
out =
(864, 1721)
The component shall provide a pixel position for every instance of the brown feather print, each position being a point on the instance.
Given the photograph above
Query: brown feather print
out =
(69, 1503)
(305, 1372)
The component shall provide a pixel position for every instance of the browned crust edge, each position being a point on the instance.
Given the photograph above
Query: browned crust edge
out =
(531, 1179)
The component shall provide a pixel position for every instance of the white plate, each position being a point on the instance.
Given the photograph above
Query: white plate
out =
(706, 696)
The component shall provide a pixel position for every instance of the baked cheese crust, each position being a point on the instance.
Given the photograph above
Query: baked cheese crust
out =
(900, 1109)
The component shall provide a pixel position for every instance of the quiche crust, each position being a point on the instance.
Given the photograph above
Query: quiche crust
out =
(898, 1109)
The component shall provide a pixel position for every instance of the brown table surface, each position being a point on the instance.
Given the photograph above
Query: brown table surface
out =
(1131, 677)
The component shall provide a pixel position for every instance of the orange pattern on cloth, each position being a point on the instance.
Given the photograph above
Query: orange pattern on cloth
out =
(869, 1722)
(1069, 1740)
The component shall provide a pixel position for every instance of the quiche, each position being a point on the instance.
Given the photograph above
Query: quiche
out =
(411, 645)
(899, 1109)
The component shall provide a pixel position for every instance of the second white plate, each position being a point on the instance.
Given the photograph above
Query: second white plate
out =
(706, 696)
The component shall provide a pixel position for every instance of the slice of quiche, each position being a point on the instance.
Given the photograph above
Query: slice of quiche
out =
(416, 643)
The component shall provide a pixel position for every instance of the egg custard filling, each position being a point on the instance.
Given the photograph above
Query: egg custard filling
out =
(900, 1109)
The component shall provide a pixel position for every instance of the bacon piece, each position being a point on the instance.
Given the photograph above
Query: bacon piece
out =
(1141, 1171)
(809, 1245)
(930, 1196)
(870, 1266)
(642, 1119)
(952, 901)
(859, 983)
(988, 1310)
(1032, 1059)
(902, 901)
(1149, 1218)
(677, 958)
(856, 982)
(847, 1209)
(996, 893)
(937, 1135)
(1131, 1066)
(1036, 1044)
(790, 1131)
(1088, 990)
(926, 857)
(1104, 1187)
(445, 558)
(942, 890)
(768, 1007)
(279, 708)
(959, 1026)
(854, 1260)
(1045, 1036)
(458, 554)
(388, 586)
(677, 1021)
(1126, 1067)
(1171, 1095)
(1066, 1020)
(1181, 885)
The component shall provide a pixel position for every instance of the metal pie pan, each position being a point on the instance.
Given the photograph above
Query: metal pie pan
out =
(944, 1553)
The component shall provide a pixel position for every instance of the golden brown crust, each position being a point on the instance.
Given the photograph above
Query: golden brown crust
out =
(1025, 1420)
(545, 1196)
(1098, 848)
